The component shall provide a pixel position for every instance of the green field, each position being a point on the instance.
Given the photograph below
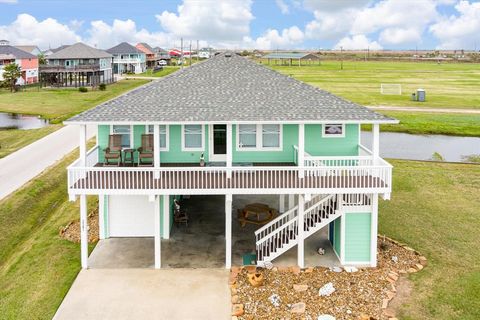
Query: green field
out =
(448, 85)
(434, 209)
(165, 71)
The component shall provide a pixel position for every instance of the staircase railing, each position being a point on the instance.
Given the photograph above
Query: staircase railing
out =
(320, 210)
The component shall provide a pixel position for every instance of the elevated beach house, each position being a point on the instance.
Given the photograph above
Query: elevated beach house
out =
(228, 127)
(27, 62)
(127, 59)
(75, 66)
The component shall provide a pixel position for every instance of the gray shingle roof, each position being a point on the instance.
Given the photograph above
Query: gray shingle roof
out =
(123, 48)
(228, 89)
(79, 51)
(15, 52)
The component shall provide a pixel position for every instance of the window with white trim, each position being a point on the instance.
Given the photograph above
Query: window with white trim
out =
(163, 134)
(333, 130)
(126, 132)
(193, 137)
(259, 137)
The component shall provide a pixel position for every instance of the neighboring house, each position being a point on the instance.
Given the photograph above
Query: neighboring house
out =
(30, 49)
(292, 58)
(127, 58)
(77, 65)
(162, 54)
(28, 62)
(205, 53)
(50, 51)
(259, 133)
(152, 58)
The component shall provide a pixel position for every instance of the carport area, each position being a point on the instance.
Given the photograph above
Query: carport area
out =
(201, 244)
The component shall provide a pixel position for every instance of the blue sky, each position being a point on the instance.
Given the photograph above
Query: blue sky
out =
(262, 24)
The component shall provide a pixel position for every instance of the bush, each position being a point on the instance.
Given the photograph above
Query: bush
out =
(102, 87)
(83, 89)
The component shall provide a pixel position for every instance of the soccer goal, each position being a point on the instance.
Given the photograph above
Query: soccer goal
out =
(392, 89)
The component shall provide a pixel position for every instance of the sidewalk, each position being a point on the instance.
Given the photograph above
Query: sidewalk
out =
(21, 166)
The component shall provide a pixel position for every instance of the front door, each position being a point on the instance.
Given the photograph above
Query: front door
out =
(218, 142)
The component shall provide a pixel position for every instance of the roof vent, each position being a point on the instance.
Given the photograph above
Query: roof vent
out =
(228, 54)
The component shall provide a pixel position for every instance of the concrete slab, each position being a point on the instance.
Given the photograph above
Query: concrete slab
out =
(147, 294)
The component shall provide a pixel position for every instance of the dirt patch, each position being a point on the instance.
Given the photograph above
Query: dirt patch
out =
(404, 290)
(71, 231)
(291, 293)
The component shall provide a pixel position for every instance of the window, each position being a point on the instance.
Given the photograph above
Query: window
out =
(247, 136)
(163, 135)
(259, 137)
(192, 137)
(333, 131)
(126, 132)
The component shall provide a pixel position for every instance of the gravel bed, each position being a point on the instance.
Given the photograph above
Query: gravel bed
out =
(71, 232)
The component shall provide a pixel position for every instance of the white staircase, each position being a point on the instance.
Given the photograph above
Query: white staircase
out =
(281, 234)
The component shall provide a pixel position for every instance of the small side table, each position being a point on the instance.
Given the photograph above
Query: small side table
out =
(128, 156)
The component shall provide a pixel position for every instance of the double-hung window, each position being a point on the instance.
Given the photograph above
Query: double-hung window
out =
(163, 135)
(193, 137)
(126, 132)
(259, 137)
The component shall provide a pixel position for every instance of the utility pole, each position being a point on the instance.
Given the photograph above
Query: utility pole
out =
(341, 58)
(181, 52)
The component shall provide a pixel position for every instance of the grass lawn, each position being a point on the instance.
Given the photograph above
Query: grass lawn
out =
(448, 85)
(37, 267)
(434, 123)
(165, 71)
(435, 209)
(12, 140)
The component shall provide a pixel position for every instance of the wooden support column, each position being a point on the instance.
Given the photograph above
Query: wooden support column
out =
(301, 148)
(301, 231)
(101, 216)
(228, 231)
(83, 144)
(376, 142)
(166, 217)
(281, 204)
(156, 150)
(229, 150)
(157, 236)
(83, 232)
(291, 201)
(374, 231)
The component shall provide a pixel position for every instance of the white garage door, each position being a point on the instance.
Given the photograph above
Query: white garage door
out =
(131, 216)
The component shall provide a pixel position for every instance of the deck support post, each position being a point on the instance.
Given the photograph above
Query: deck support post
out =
(301, 149)
(291, 201)
(281, 205)
(229, 150)
(376, 143)
(156, 150)
(166, 217)
(83, 231)
(101, 216)
(83, 144)
(374, 231)
(301, 231)
(228, 231)
(157, 240)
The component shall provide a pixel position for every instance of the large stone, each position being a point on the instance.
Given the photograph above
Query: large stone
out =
(235, 299)
(326, 290)
(350, 269)
(250, 269)
(275, 300)
(298, 307)
(295, 270)
(237, 310)
(255, 279)
(393, 276)
(385, 303)
(419, 266)
(300, 287)
(325, 317)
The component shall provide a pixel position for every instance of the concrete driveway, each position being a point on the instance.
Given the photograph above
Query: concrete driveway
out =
(147, 294)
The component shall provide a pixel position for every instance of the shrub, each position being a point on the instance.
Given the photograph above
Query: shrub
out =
(83, 89)
(102, 87)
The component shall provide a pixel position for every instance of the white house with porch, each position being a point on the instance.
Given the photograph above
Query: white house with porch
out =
(227, 128)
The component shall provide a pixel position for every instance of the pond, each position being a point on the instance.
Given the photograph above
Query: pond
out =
(22, 122)
(422, 147)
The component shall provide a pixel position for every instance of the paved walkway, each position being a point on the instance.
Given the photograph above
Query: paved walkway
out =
(147, 294)
(21, 166)
(430, 110)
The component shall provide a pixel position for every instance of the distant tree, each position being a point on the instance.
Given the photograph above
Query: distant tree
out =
(11, 73)
(41, 59)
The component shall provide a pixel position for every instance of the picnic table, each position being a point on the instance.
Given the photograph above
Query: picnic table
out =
(256, 213)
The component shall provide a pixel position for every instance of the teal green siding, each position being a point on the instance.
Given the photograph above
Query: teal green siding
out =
(290, 138)
(175, 153)
(357, 237)
(336, 236)
(316, 145)
(102, 134)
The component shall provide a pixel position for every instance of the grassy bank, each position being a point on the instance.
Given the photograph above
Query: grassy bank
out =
(37, 267)
(12, 140)
(165, 71)
(433, 123)
(434, 208)
(447, 85)
(58, 105)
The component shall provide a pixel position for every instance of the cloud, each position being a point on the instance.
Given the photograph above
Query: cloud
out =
(225, 21)
(357, 42)
(272, 39)
(398, 36)
(26, 29)
(335, 5)
(282, 6)
(105, 36)
(459, 31)
(9, 1)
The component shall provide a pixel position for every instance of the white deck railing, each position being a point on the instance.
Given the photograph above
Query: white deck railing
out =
(321, 175)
